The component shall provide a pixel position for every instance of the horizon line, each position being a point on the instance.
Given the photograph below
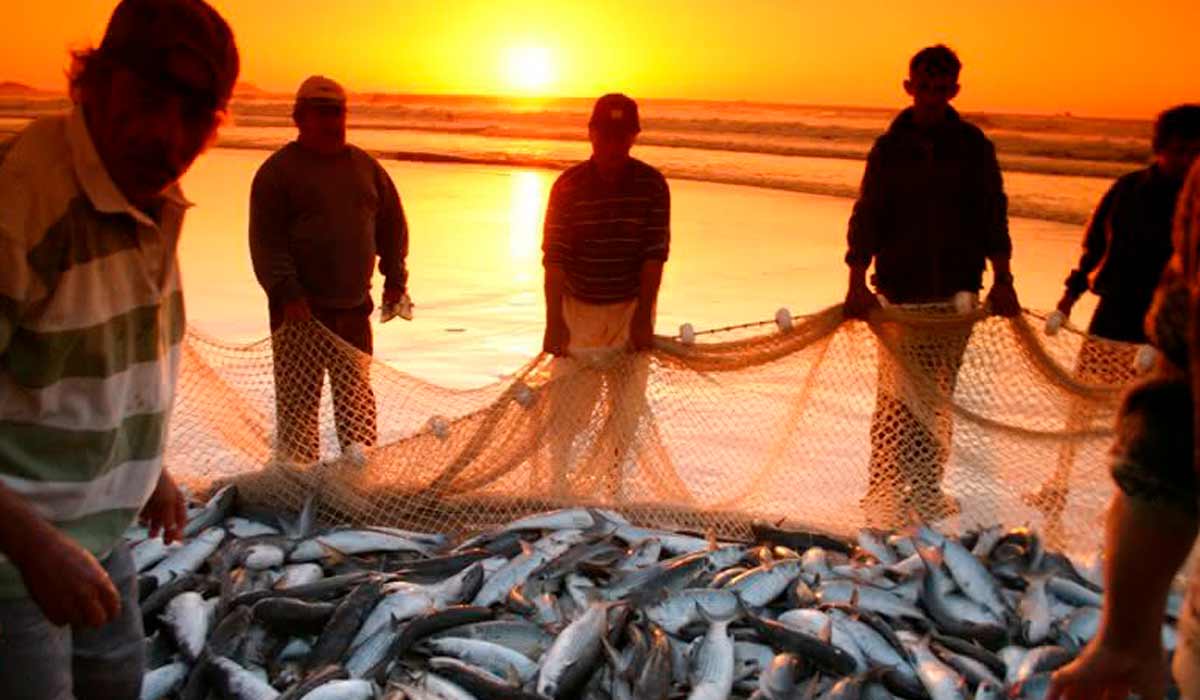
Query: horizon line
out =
(255, 90)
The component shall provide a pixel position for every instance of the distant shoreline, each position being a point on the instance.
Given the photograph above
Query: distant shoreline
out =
(1065, 215)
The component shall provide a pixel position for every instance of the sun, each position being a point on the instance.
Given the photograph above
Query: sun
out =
(528, 69)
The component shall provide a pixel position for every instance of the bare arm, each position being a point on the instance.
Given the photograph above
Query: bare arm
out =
(654, 257)
(642, 327)
(63, 578)
(1146, 545)
(556, 251)
(556, 337)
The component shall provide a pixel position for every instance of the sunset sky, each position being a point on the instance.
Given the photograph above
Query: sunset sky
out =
(1120, 58)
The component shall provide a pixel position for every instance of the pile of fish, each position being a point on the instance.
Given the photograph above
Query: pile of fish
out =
(580, 603)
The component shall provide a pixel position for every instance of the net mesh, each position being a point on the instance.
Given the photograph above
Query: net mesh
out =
(817, 422)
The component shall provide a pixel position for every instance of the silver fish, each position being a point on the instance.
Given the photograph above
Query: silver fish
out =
(441, 689)
(987, 540)
(872, 544)
(189, 618)
(342, 690)
(869, 598)
(1012, 656)
(397, 606)
(641, 555)
(372, 651)
(877, 650)
(750, 659)
(1042, 660)
(151, 551)
(213, 512)
(239, 683)
(679, 610)
(822, 626)
(711, 666)
(244, 528)
(1080, 627)
(973, 671)
(672, 543)
(163, 681)
(939, 680)
(188, 558)
(575, 651)
(1073, 593)
(969, 573)
(260, 556)
(299, 575)
(356, 542)
(519, 635)
(778, 679)
(1034, 609)
(654, 678)
(761, 585)
(495, 589)
(565, 519)
(296, 648)
(498, 659)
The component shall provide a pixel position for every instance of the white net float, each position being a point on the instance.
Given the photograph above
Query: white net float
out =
(783, 319)
(1054, 322)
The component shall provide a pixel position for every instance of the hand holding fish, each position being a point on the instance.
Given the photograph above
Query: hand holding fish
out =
(166, 511)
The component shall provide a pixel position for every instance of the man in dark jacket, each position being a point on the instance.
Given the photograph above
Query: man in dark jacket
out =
(321, 212)
(931, 212)
(1128, 241)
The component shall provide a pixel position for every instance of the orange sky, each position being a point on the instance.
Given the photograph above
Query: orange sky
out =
(1120, 58)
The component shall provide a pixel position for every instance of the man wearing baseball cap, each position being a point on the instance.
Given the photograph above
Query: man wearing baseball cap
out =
(91, 320)
(321, 212)
(606, 239)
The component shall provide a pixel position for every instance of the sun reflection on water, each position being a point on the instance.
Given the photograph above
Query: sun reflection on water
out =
(528, 209)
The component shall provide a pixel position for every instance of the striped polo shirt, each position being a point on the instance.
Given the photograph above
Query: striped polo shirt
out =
(91, 319)
(601, 233)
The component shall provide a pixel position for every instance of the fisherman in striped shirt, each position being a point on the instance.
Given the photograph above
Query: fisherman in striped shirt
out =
(607, 235)
(91, 319)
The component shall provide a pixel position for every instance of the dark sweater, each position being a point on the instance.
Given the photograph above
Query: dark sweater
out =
(1128, 241)
(601, 233)
(930, 212)
(317, 223)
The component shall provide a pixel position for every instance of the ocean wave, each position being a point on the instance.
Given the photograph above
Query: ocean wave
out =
(1020, 205)
(1026, 143)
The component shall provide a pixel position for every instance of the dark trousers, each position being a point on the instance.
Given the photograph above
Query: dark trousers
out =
(1120, 319)
(302, 358)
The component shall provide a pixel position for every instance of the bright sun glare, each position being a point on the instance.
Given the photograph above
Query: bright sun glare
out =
(528, 68)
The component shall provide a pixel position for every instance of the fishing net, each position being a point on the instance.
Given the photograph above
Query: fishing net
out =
(824, 424)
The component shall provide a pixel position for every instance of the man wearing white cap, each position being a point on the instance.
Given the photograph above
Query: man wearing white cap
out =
(321, 212)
